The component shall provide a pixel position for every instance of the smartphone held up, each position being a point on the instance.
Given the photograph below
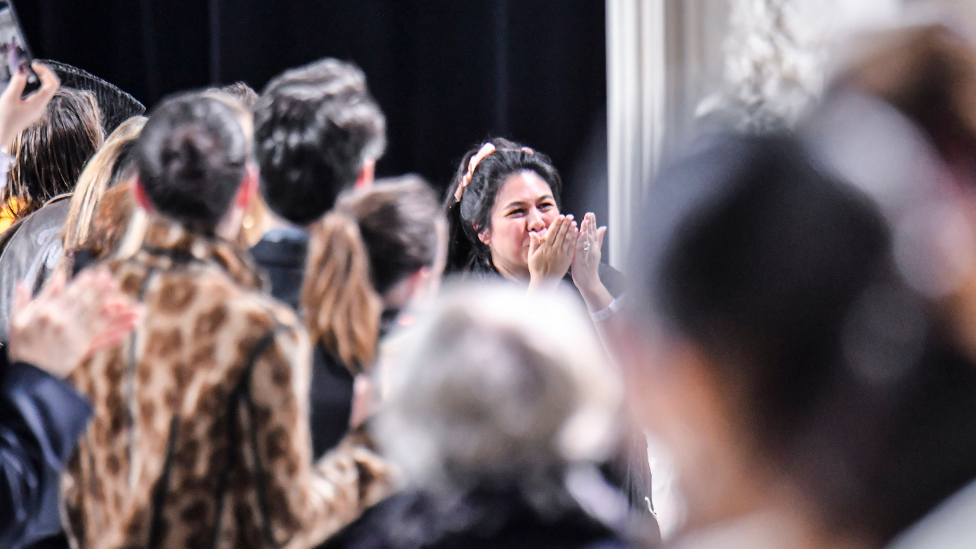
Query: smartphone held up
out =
(14, 53)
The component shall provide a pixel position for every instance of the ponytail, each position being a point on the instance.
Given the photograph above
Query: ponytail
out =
(341, 308)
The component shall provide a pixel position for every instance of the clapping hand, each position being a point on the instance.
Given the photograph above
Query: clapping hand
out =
(551, 255)
(66, 323)
(586, 261)
(586, 265)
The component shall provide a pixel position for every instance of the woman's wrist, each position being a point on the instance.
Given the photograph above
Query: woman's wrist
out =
(541, 282)
(596, 296)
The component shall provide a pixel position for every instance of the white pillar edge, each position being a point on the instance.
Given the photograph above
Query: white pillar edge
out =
(635, 112)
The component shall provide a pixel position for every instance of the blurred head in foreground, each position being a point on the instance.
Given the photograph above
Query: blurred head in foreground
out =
(192, 159)
(900, 123)
(498, 390)
(781, 356)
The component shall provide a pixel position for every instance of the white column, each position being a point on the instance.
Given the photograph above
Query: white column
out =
(663, 56)
(635, 110)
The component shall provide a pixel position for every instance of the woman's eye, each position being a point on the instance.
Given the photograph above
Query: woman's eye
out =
(517, 212)
(545, 206)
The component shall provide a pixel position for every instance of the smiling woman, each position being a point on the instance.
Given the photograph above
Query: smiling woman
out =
(503, 207)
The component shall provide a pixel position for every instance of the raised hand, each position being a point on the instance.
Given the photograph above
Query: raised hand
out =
(16, 112)
(586, 264)
(69, 322)
(551, 255)
(589, 246)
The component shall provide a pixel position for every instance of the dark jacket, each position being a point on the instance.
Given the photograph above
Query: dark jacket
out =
(41, 418)
(31, 254)
(330, 401)
(281, 253)
(483, 519)
(613, 280)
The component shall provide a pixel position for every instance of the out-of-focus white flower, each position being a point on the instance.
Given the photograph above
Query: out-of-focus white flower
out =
(776, 56)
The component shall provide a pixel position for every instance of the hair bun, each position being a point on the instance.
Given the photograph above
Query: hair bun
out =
(185, 157)
(192, 157)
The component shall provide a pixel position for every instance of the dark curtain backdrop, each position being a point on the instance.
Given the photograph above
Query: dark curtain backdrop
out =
(448, 73)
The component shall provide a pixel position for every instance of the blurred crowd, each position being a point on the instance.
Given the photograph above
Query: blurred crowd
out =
(219, 331)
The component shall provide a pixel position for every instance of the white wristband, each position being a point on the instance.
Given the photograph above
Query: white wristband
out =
(604, 314)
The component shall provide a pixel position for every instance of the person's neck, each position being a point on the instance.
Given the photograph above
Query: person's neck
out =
(509, 272)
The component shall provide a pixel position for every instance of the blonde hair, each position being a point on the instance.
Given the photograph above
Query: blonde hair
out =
(95, 180)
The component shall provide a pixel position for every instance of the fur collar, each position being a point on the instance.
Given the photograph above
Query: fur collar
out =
(166, 237)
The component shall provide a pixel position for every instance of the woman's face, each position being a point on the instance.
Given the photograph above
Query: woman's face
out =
(524, 205)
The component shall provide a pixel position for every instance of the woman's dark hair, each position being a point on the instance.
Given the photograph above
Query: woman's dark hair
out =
(398, 220)
(841, 373)
(191, 156)
(472, 214)
(50, 154)
(371, 241)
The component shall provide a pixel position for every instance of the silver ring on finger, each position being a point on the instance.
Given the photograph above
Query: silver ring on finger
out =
(586, 247)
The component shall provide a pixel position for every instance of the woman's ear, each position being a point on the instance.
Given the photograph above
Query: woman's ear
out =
(249, 186)
(140, 194)
(484, 236)
(366, 174)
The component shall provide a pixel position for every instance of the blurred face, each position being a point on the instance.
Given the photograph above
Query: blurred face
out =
(524, 205)
(675, 396)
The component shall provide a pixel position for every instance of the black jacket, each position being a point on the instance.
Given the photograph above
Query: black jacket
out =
(330, 401)
(41, 419)
(614, 281)
(281, 253)
(483, 519)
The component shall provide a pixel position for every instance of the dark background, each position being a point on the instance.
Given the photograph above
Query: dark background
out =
(448, 73)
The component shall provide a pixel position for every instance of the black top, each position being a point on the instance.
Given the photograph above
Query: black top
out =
(613, 280)
(282, 253)
(330, 401)
(331, 393)
(482, 519)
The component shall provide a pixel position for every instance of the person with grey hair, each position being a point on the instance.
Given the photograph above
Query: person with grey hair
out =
(497, 408)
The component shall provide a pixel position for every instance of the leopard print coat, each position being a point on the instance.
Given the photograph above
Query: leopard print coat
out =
(200, 436)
